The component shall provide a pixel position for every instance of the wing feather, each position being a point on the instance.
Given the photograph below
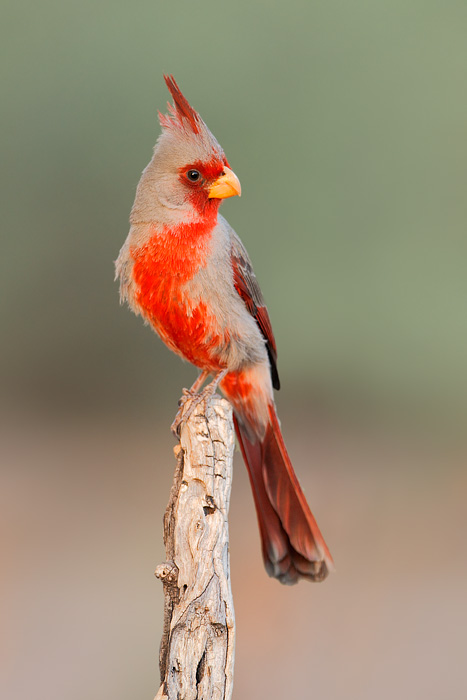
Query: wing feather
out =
(249, 290)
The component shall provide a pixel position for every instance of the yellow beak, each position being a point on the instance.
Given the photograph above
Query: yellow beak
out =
(227, 185)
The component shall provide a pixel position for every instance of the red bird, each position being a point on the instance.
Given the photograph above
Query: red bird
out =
(186, 272)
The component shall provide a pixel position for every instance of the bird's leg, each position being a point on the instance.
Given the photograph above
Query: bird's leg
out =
(188, 394)
(195, 398)
(212, 386)
(196, 386)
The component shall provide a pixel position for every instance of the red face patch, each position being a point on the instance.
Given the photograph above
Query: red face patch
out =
(209, 171)
(198, 177)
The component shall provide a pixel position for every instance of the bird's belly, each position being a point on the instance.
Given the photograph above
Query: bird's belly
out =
(186, 326)
(162, 275)
(193, 308)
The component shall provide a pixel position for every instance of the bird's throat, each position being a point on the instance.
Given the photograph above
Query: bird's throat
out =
(172, 253)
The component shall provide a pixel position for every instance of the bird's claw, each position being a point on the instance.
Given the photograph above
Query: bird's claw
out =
(195, 398)
(186, 394)
(175, 427)
(183, 413)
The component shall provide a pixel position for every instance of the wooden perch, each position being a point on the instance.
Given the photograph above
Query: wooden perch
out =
(197, 647)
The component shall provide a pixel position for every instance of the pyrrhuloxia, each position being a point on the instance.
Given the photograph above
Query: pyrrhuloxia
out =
(186, 272)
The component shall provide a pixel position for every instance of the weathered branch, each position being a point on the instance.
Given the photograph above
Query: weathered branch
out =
(197, 647)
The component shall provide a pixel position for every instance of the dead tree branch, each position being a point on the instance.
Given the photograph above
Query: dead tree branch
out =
(197, 647)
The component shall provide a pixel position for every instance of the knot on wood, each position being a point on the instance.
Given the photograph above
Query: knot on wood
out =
(167, 572)
(210, 506)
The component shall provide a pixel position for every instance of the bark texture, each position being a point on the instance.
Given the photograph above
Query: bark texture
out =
(197, 647)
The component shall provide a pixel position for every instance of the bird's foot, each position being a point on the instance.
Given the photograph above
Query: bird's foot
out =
(187, 395)
(194, 398)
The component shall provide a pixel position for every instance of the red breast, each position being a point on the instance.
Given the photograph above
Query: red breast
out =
(162, 267)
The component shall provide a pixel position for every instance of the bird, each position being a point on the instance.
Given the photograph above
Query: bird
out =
(185, 271)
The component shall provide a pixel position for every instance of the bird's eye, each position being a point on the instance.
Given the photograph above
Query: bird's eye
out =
(193, 175)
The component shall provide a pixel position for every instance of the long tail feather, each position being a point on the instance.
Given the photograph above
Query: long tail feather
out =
(293, 546)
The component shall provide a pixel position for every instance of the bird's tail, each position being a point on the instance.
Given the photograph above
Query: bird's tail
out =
(293, 546)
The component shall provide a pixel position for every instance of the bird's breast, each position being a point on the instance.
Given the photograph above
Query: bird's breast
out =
(162, 271)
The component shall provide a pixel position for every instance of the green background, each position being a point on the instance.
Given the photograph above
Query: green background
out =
(346, 124)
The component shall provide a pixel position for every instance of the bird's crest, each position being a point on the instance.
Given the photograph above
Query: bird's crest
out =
(181, 113)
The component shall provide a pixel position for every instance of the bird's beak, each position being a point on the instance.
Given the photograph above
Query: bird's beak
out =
(227, 185)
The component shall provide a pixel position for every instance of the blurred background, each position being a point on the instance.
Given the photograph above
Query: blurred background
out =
(346, 123)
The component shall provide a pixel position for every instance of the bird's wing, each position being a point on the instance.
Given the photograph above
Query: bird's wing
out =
(249, 290)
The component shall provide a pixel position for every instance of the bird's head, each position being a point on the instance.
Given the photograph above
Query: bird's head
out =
(188, 175)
